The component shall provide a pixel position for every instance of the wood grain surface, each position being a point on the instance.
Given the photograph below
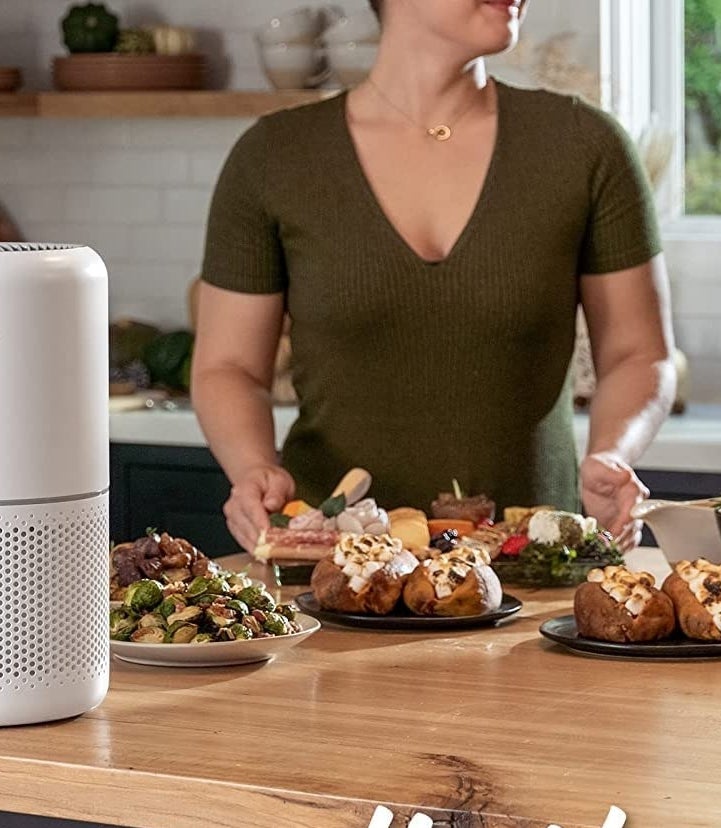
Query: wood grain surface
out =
(494, 728)
(170, 104)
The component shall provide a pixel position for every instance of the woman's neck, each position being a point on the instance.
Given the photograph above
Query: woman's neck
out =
(426, 80)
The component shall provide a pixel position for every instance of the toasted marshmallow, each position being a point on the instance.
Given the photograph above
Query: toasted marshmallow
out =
(361, 556)
(704, 581)
(449, 569)
(632, 589)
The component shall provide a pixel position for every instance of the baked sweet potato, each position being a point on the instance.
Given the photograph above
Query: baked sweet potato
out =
(474, 590)
(600, 616)
(695, 620)
(365, 575)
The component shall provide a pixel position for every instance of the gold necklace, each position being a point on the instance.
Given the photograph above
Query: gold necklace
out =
(441, 132)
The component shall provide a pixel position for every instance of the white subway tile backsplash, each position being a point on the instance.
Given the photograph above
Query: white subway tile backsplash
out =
(131, 167)
(126, 205)
(34, 203)
(14, 132)
(699, 336)
(189, 133)
(697, 297)
(205, 165)
(186, 205)
(111, 241)
(52, 134)
(169, 243)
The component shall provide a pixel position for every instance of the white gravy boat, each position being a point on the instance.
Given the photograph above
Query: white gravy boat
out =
(685, 530)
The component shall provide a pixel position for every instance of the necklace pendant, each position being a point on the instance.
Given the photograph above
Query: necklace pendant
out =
(440, 132)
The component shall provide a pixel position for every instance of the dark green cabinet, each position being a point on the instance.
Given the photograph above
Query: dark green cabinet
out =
(177, 489)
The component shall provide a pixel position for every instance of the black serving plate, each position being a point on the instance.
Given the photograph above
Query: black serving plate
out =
(403, 619)
(562, 630)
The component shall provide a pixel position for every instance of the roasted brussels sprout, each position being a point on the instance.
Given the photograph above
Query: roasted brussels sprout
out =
(152, 619)
(198, 586)
(122, 625)
(237, 579)
(173, 603)
(239, 606)
(257, 597)
(276, 623)
(253, 625)
(288, 610)
(187, 614)
(143, 595)
(220, 615)
(202, 638)
(240, 631)
(180, 633)
(149, 635)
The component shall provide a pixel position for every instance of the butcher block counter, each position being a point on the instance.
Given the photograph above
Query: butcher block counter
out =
(494, 727)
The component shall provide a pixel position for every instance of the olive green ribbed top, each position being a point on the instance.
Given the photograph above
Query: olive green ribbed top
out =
(424, 372)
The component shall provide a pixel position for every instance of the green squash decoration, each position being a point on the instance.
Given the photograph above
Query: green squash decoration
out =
(90, 28)
(135, 42)
(168, 358)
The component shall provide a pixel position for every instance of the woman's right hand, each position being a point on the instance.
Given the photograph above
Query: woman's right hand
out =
(261, 490)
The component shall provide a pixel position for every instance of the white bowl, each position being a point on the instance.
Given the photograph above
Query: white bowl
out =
(361, 27)
(351, 62)
(683, 530)
(303, 25)
(293, 65)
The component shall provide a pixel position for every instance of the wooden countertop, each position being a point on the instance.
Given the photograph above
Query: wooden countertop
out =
(494, 728)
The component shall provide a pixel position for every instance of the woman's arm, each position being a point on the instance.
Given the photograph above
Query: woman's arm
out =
(233, 361)
(629, 323)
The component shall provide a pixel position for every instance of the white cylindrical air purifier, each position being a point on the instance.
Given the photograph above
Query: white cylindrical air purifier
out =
(54, 647)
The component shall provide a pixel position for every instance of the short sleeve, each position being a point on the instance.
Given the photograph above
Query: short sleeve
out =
(622, 229)
(243, 251)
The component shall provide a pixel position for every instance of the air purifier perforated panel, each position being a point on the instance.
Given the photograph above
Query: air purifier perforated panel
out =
(53, 607)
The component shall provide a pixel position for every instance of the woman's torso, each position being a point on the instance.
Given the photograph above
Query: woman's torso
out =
(425, 372)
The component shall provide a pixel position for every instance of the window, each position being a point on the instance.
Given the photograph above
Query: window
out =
(661, 68)
(702, 109)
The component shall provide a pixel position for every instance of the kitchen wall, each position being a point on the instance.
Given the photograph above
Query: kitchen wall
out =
(138, 190)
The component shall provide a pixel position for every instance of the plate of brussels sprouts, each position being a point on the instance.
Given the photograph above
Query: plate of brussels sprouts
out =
(210, 621)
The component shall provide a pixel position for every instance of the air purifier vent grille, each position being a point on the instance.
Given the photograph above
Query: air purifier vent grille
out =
(34, 247)
(53, 594)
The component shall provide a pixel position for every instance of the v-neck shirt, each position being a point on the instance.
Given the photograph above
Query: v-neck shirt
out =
(364, 184)
(423, 372)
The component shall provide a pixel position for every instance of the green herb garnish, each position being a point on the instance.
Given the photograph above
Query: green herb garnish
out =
(279, 521)
(333, 506)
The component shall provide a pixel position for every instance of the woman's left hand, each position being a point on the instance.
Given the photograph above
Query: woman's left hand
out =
(609, 490)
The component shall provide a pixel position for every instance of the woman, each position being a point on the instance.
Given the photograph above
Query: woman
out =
(431, 234)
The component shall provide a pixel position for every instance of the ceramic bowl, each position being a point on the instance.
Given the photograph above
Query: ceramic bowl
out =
(351, 62)
(292, 65)
(360, 28)
(303, 25)
(684, 530)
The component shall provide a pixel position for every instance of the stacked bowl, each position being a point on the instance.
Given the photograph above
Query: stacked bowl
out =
(290, 50)
(351, 44)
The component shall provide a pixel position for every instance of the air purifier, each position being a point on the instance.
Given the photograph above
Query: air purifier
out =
(54, 647)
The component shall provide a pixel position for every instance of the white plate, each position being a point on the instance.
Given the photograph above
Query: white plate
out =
(215, 653)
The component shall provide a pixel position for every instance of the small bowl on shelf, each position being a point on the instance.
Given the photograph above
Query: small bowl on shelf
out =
(11, 79)
(302, 26)
(293, 65)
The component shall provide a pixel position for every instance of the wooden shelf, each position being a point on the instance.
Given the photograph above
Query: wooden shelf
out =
(205, 104)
